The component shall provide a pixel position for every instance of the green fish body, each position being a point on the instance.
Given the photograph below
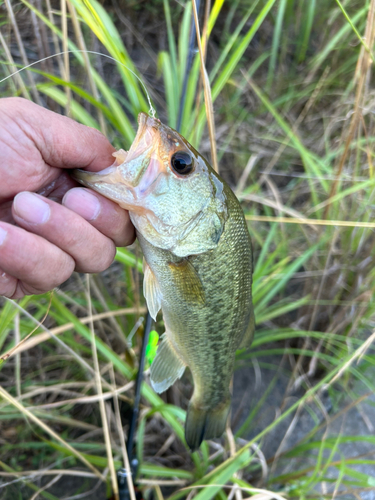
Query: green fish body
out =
(198, 265)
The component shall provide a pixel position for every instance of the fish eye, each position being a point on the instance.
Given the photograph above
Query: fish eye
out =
(182, 163)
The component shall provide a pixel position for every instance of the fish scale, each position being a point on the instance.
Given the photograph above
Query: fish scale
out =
(198, 270)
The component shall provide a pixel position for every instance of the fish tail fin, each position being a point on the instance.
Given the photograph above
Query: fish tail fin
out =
(205, 423)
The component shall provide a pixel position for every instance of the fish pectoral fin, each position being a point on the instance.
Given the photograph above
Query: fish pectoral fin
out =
(187, 281)
(151, 291)
(167, 366)
(248, 337)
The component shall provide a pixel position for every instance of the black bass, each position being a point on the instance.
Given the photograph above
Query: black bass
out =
(198, 265)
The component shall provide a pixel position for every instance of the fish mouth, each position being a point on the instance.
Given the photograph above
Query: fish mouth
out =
(107, 182)
(145, 138)
(133, 174)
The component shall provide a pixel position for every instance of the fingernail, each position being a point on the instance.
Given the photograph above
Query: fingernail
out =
(31, 208)
(3, 234)
(83, 203)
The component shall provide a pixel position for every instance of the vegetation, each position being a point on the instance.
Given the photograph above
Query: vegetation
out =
(291, 89)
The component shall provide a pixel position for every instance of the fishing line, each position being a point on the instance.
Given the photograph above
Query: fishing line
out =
(151, 110)
(191, 52)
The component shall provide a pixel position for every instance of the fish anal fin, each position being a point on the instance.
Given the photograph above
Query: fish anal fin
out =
(151, 291)
(167, 366)
(187, 281)
(205, 423)
(248, 336)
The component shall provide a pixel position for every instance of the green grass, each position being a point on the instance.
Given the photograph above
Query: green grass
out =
(284, 86)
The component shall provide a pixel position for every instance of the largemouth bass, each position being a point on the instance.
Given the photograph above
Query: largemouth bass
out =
(198, 267)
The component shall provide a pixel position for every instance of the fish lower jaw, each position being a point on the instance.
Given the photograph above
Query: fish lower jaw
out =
(121, 194)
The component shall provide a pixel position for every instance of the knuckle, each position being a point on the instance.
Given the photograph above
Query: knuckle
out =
(125, 232)
(109, 256)
(13, 102)
(66, 269)
(126, 239)
(99, 135)
(100, 260)
(54, 272)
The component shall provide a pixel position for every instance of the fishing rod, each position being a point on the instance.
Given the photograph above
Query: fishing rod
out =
(122, 474)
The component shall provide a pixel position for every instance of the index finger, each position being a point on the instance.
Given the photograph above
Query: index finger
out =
(61, 141)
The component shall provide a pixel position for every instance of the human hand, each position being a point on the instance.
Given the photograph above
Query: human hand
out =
(51, 239)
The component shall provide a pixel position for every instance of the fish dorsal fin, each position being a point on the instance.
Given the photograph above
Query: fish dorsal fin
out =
(151, 291)
(187, 281)
(167, 366)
